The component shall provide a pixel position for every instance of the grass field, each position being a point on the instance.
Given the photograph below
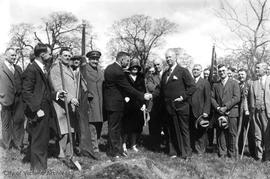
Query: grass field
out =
(145, 164)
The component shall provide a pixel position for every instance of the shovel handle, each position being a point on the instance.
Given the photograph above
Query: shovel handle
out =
(66, 108)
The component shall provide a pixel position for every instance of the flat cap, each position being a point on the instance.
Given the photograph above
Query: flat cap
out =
(93, 54)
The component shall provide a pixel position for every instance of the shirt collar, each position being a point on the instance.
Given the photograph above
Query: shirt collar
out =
(197, 79)
(41, 65)
(263, 79)
(118, 63)
(224, 81)
(173, 67)
(9, 65)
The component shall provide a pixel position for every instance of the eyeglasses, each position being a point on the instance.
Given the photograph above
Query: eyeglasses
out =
(156, 64)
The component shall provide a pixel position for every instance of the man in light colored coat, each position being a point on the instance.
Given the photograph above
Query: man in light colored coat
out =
(94, 77)
(71, 89)
(260, 111)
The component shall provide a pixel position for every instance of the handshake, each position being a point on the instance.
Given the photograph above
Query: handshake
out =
(148, 96)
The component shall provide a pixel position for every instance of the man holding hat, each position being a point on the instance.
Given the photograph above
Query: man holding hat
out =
(200, 110)
(94, 77)
(225, 99)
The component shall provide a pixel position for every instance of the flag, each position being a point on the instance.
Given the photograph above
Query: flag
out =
(213, 69)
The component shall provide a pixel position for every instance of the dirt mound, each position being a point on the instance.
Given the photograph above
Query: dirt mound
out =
(142, 168)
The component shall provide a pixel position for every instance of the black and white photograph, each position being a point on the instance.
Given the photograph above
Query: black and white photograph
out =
(127, 89)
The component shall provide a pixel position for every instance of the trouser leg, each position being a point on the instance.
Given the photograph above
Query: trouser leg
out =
(6, 119)
(114, 131)
(232, 132)
(39, 145)
(93, 139)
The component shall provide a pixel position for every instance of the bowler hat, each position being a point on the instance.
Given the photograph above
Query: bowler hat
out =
(93, 54)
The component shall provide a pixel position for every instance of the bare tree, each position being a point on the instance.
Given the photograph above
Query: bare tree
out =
(60, 29)
(139, 34)
(22, 38)
(249, 22)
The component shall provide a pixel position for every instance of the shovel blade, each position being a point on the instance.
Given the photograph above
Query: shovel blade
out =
(77, 164)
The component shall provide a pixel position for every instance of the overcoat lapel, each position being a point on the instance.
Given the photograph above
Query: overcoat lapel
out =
(8, 73)
(44, 78)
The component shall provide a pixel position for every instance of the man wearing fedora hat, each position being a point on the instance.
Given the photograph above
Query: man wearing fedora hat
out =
(225, 99)
(200, 106)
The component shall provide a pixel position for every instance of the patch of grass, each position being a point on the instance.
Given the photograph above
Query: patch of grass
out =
(208, 165)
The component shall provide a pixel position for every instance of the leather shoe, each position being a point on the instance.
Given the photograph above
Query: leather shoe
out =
(26, 159)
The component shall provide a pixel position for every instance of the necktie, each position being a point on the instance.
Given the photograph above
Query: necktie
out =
(262, 83)
(169, 74)
(11, 68)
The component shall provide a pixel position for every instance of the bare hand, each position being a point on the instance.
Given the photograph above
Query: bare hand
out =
(127, 99)
(60, 94)
(74, 101)
(246, 113)
(205, 115)
(143, 108)
(179, 99)
(222, 110)
(40, 113)
(147, 96)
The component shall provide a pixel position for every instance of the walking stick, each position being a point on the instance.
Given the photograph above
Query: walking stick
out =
(239, 131)
(74, 162)
(245, 140)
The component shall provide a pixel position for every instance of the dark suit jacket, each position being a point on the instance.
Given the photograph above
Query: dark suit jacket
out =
(115, 87)
(180, 83)
(201, 98)
(10, 91)
(228, 95)
(37, 94)
(10, 87)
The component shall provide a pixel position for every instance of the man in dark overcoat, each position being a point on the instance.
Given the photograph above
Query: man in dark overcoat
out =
(115, 86)
(94, 78)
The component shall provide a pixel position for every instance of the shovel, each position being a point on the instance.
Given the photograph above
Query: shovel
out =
(71, 160)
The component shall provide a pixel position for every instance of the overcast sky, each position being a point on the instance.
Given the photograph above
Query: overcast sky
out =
(199, 27)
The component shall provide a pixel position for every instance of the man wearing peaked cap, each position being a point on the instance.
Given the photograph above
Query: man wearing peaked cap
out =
(94, 78)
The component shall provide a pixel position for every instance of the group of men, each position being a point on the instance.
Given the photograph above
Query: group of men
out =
(235, 106)
(47, 96)
(185, 107)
